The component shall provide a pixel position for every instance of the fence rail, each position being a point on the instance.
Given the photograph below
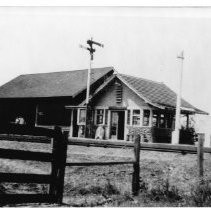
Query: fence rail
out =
(25, 155)
(99, 163)
(26, 130)
(25, 138)
(191, 149)
(26, 198)
(26, 178)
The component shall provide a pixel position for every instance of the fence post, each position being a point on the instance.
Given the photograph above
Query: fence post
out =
(136, 167)
(62, 165)
(54, 166)
(58, 165)
(200, 153)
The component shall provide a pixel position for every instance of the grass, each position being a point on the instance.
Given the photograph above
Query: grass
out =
(201, 194)
(167, 179)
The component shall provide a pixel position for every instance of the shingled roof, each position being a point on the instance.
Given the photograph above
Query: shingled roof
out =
(156, 92)
(71, 83)
(56, 84)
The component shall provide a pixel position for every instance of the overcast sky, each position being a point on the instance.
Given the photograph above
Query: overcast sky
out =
(143, 42)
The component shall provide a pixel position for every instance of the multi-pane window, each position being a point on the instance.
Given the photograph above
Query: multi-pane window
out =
(128, 117)
(155, 120)
(146, 116)
(82, 116)
(162, 121)
(136, 117)
(99, 116)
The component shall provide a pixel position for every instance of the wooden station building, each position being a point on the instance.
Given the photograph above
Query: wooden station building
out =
(120, 104)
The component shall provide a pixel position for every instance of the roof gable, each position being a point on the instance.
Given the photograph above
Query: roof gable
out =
(56, 84)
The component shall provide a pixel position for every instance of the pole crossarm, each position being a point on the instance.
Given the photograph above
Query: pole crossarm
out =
(181, 56)
(91, 50)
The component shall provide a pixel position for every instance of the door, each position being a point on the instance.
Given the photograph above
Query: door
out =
(114, 124)
(117, 125)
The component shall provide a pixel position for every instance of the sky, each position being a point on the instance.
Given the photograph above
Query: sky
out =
(142, 42)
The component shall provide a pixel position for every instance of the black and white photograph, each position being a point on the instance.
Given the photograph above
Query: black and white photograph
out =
(105, 106)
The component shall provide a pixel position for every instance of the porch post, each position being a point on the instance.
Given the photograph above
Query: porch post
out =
(187, 123)
(71, 124)
(109, 124)
(36, 113)
(150, 118)
(125, 124)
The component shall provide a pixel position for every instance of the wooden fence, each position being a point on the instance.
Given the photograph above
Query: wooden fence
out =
(57, 159)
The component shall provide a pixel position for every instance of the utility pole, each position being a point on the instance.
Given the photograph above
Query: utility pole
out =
(176, 132)
(91, 50)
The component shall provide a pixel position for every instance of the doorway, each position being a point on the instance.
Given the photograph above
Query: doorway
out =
(117, 125)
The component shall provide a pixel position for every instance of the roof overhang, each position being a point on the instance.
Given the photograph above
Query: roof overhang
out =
(75, 107)
(185, 110)
(122, 108)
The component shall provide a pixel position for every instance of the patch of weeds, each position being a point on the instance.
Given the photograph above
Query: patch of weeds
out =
(83, 191)
(105, 190)
(109, 189)
(128, 196)
(120, 200)
(143, 185)
(201, 194)
(165, 192)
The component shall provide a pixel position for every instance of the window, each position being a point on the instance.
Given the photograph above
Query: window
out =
(162, 121)
(136, 117)
(128, 117)
(155, 120)
(99, 116)
(146, 116)
(82, 116)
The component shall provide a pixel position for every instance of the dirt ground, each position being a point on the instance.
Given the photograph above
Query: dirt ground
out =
(109, 185)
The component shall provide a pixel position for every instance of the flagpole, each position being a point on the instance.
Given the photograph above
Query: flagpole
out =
(176, 132)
